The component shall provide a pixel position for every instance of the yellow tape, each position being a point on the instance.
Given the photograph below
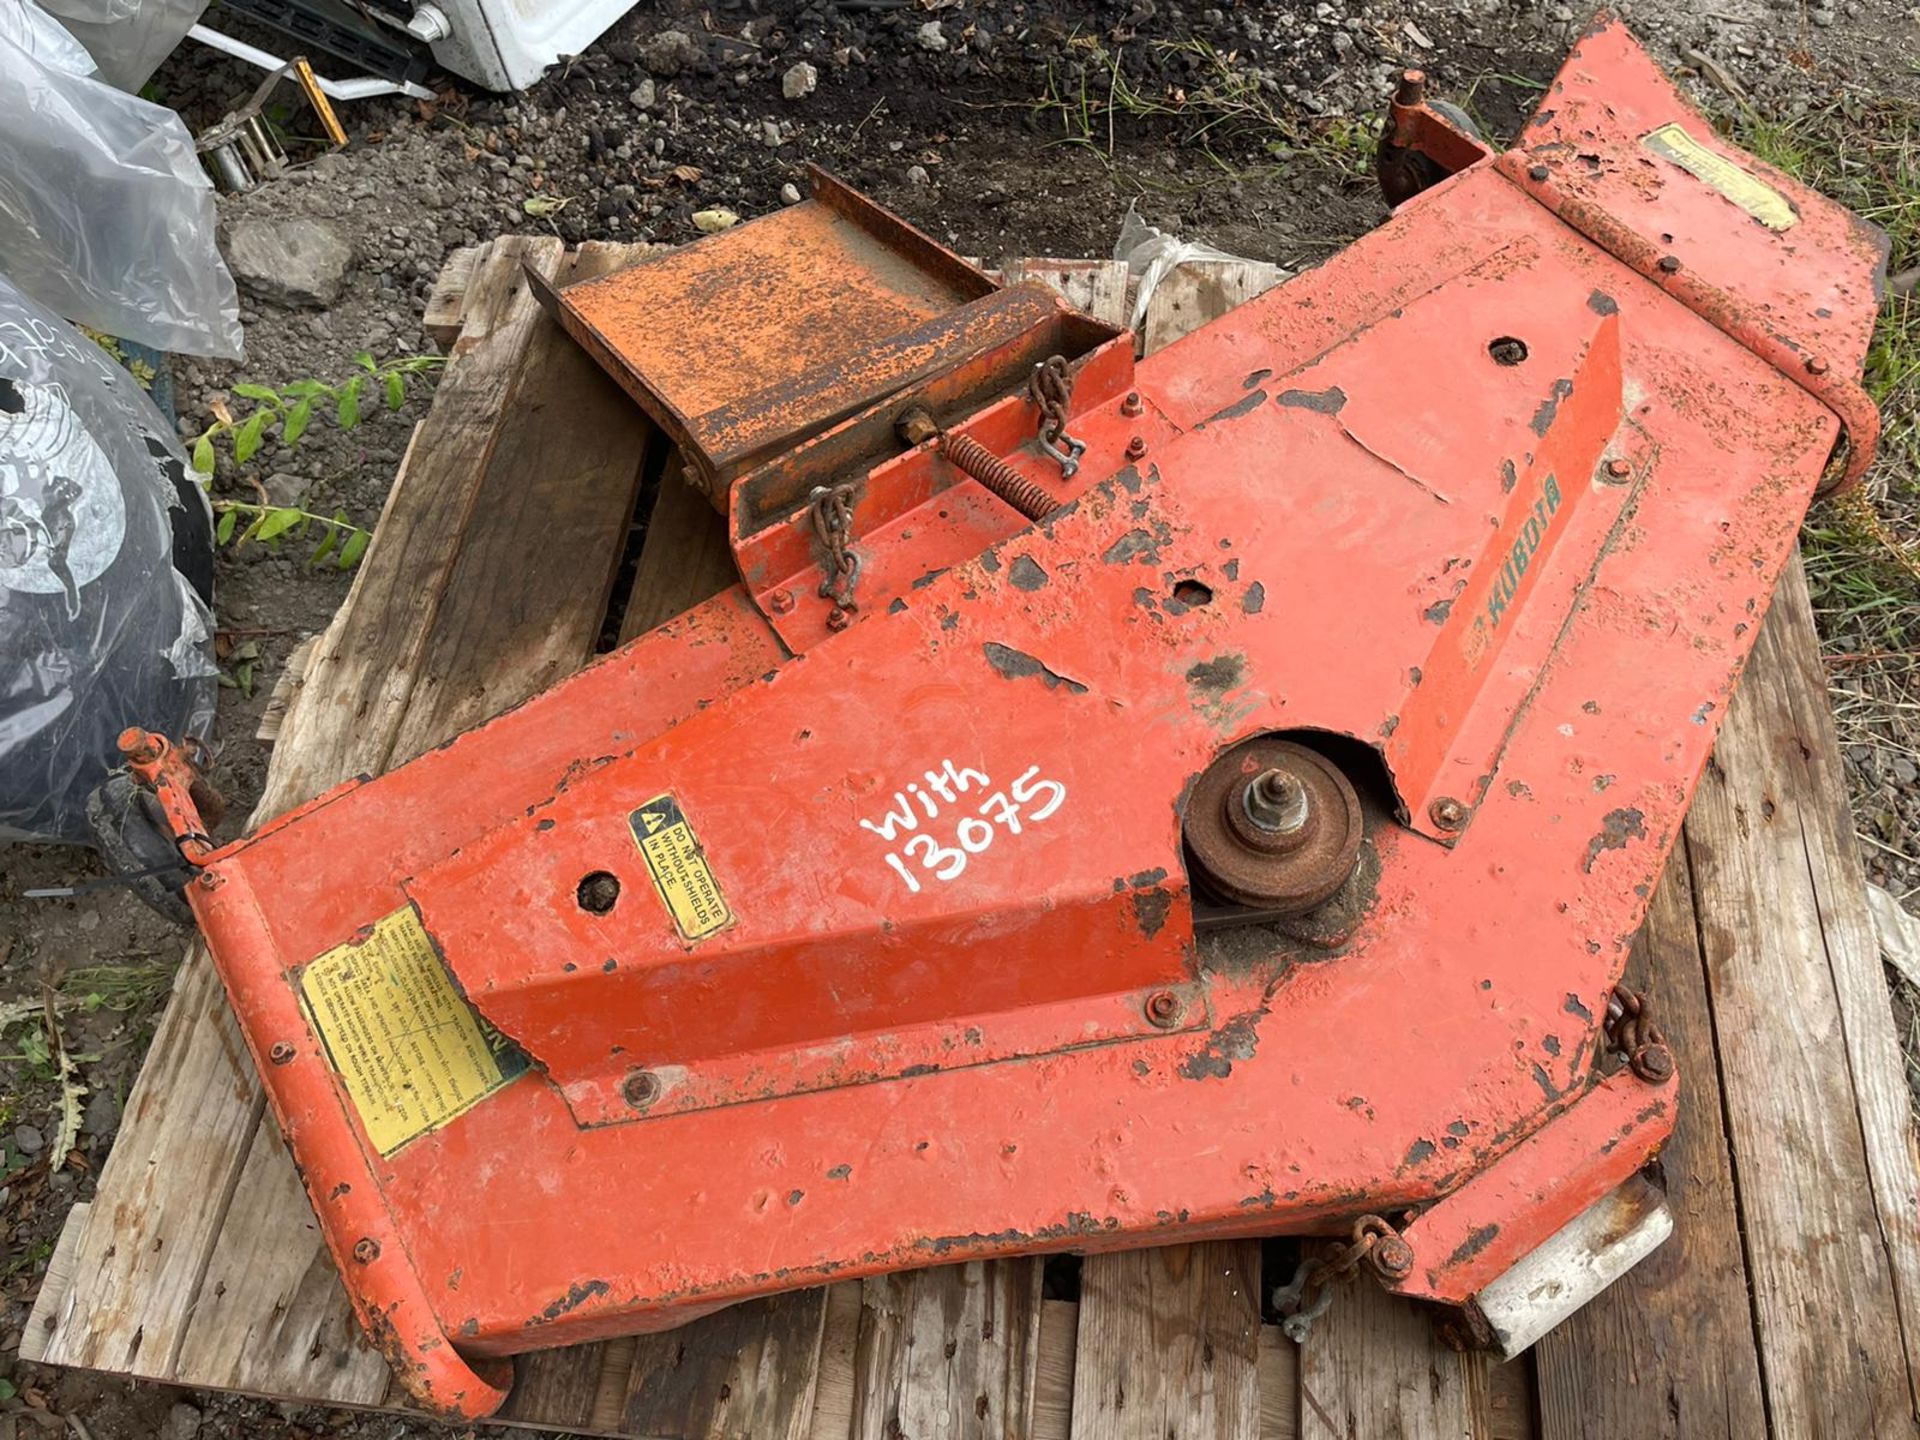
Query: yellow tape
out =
(679, 868)
(410, 1049)
(1710, 168)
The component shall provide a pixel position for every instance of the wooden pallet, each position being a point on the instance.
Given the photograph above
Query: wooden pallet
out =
(1787, 1304)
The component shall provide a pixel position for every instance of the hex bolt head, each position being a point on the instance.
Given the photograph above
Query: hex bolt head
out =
(1392, 1257)
(366, 1250)
(1447, 813)
(1163, 1009)
(1653, 1063)
(1276, 801)
(640, 1089)
(1619, 469)
(1538, 172)
(1132, 405)
(1136, 447)
(781, 602)
(281, 1053)
(1669, 264)
(839, 618)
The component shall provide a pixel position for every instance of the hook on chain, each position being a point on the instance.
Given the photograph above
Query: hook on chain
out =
(1050, 388)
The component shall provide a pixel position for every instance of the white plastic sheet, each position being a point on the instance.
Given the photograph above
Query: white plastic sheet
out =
(1151, 255)
(106, 215)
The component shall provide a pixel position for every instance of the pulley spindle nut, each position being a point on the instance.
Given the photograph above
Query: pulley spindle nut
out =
(1391, 1257)
(1276, 801)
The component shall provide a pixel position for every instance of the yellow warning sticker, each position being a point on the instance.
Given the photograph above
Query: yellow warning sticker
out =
(412, 1052)
(679, 868)
(1758, 199)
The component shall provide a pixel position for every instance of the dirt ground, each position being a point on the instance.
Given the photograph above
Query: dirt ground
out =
(1003, 129)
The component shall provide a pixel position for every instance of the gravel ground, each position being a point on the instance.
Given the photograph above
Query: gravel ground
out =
(1002, 128)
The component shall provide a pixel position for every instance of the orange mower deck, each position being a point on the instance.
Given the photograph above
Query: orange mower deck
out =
(1241, 835)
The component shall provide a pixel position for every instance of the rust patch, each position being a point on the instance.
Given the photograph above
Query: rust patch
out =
(1135, 544)
(581, 1292)
(1616, 830)
(1235, 1040)
(1150, 910)
(1602, 303)
(1255, 600)
(1476, 1241)
(1543, 417)
(1245, 405)
(1218, 675)
(1330, 401)
(1018, 665)
(1025, 574)
(1418, 1151)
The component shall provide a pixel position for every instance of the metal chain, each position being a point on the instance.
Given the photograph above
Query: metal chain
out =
(1050, 388)
(1307, 1297)
(831, 509)
(1632, 1031)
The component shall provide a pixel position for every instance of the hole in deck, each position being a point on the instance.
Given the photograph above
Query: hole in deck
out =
(598, 891)
(1507, 350)
(1192, 593)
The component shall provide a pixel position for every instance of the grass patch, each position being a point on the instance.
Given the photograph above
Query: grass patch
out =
(1863, 550)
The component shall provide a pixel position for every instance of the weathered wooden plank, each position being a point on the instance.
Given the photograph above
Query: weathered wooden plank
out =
(1053, 1370)
(1099, 287)
(833, 1392)
(1169, 1344)
(527, 592)
(684, 557)
(948, 1353)
(1370, 1366)
(285, 686)
(1819, 1144)
(51, 1302)
(744, 1373)
(1678, 1323)
(446, 308)
(270, 1316)
(1191, 294)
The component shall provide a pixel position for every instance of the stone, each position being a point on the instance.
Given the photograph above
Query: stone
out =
(712, 222)
(183, 1423)
(284, 488)
(790, 193)
(917, 175)
(643, 96)
(299, 262)
(931, 36)
(770, 134)
(103, 1114)
(28, 1139)
(799, 81)
(669, 52)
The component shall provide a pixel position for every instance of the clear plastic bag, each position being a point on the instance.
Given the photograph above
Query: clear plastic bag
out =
(128, 38)
(105, 212)
(1151, 255)
(101, 526)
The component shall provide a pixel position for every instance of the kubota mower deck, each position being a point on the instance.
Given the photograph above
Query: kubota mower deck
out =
(1241, 834)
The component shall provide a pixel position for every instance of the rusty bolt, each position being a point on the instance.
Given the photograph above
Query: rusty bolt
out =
(641, 1089)
(1619, 469)
(1653, 1063)
(1276, 801)
(1538, 172)
(1669, 264)
(1163, 1009)
(1412, 89)
(839, 618)
(1392, 1257)
(1448, 813)
(781, 602)
(1131, 405)
(1136, 447)
(1816, 364)
(281, 1052)
(366, 1250)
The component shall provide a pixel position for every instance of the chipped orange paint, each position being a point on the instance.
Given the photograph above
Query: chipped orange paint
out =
(918, 978)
